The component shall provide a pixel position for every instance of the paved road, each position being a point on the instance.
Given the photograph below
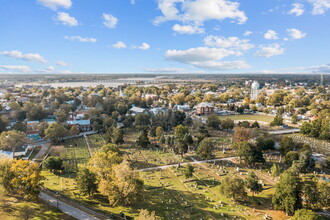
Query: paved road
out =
(66, 208)
(193, 162)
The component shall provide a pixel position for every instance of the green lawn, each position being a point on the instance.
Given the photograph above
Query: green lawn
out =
(263, 118)
(12, 209)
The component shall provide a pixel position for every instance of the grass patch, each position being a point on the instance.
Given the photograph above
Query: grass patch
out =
(263, 118)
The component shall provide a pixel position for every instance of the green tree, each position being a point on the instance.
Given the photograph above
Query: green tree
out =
(286, 144)
(252, 183)
(278, 121)
(143, 139)
(213, 121)
(265, 143)
(159, 132)
(311, 193)
(288, 192)
(249, 153)
(233, 187)
(3, 123)
(86, 181)
(305, 214)
(54, 164)
(55, 132)
(275, 170)
(294, 119)
(324, 194)
(180, 131)
(117, 136)
(205, 149)
(290, 157)
(189, 171)
(227, 124)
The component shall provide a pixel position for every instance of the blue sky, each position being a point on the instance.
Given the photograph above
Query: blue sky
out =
(164, 36)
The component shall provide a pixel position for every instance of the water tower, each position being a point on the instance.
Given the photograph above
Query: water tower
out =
(254, 90)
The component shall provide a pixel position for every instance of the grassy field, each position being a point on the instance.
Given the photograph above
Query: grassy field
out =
(262, 118)
(168, 192)
(73, 152)
(12, 209)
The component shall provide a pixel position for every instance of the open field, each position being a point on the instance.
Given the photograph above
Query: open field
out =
(73, 152)
(12, 209)
(262, 118)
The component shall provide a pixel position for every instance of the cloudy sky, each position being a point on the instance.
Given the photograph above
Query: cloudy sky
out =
(164, 36)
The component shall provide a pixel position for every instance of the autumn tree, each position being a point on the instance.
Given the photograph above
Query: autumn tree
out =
(74, 130)
(21, 177)
(102, 161)
(122, 186)
(146, 215)
(11, 140)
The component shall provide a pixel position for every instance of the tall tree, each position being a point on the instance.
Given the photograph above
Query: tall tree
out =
(288, 192)
(233, 187)
(205, 149)
(86, 181)
(213, 121)
(252, 183)
(55, 132)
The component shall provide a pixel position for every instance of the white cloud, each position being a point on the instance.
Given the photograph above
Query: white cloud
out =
(35, 57)
(270, 50)
(188, 29)
(271, 35)
(296, 34)
(15, 68)
(109, 20)
(206, 58)
(223, 65)
(144, 46)
(165, 70)
(66, 19)
(319, 6)
(198, 54)
(119, 45)
(247, 33)
(230, 42)
(81, 39)
(199, 11)
(62, 63)
(133, 2)
(55, 4)
(298, 9)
